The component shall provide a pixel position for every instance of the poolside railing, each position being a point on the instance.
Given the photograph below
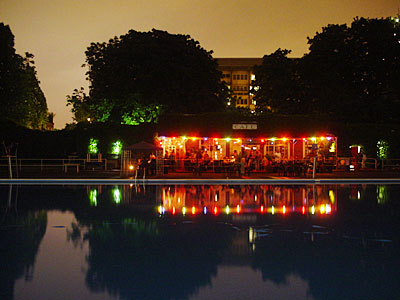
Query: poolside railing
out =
(53, 163)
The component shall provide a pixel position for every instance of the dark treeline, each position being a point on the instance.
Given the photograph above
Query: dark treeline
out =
(136, 77)
(21, 98)
(351, 73)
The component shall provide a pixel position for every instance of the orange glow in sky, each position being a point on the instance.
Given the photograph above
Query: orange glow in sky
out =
(58, 32)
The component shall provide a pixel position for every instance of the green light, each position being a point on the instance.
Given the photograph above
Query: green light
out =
(93, 197)
(383, 149)
(116, 148)
(116, 195)
(227, 209)
(381, 194)
(93, 149)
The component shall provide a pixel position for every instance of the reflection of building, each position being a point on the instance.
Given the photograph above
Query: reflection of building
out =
(248, 199)
(238, 74)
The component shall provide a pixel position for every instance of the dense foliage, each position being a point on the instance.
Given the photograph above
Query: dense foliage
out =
(350, 73)
(21, 98)
(134, 77)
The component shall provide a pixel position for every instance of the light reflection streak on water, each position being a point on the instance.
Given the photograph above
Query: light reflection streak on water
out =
(251, 199)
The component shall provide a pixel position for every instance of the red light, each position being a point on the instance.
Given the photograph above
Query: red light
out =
(215, 210)
(262, 208)
(173, 210)
(262, 140)
(303, 209)
(284, 209)
(238, 208)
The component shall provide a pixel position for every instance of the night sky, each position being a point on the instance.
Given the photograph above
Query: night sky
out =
(58, 32)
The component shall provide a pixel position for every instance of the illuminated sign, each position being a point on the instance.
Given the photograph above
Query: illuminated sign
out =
(251, 126)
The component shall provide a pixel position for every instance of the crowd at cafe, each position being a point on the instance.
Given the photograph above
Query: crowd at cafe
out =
(245, 155)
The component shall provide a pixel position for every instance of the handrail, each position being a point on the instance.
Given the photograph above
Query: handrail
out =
(50, 162)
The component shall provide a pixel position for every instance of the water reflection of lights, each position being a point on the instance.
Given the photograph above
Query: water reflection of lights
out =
(243, 199)
(323, 209)
(93, 197)
(116, 195)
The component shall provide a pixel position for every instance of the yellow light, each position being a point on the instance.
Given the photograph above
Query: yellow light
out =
(193, 210)
(313, 209)
(273, 139)
(272, 210)
(228, 139)
(227, 209)
(332, 148)
(131, 167)
(322, 138)
(322, 208)
(284, 209)
(193, 138)
(184, 138)
(284, 139)
(183, 210)
(314, 139)
(332, 196)
(160, 209)
(238, 140)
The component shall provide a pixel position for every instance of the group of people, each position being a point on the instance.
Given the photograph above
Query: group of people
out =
(200, 160)
(147, 166)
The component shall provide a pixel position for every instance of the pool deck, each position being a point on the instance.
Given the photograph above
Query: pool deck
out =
(114, 177)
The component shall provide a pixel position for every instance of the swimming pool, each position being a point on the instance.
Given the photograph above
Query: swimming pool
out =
(196, 241)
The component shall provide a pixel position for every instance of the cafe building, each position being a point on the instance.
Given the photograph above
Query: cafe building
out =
(246, 139)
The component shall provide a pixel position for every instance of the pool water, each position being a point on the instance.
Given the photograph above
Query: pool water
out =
(200, 242)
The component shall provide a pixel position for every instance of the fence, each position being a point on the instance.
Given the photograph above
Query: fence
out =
(52, 164)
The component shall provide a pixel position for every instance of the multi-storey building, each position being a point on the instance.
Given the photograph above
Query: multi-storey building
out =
(238, 74)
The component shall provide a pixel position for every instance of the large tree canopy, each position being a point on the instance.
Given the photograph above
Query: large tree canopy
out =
(21, 98)
(350, 73)
(281, 89)
(138, 74)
